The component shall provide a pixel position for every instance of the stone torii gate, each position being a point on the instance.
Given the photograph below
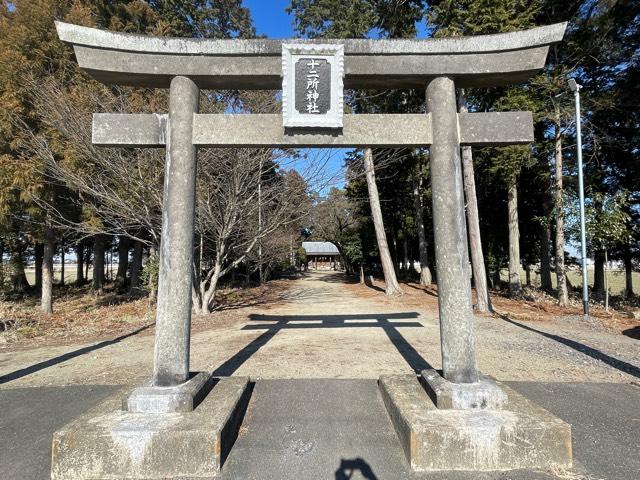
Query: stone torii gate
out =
(187, 65)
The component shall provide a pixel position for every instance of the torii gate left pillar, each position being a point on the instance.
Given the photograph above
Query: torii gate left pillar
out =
(173, 317)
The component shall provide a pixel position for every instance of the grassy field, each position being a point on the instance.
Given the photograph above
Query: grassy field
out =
(69, 274)
(616, 279)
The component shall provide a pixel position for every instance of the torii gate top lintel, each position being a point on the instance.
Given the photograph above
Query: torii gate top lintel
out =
(477, 61)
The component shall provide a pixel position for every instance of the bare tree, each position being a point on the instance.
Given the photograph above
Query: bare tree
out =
(228, 208)
(120, 190)
(334, 219)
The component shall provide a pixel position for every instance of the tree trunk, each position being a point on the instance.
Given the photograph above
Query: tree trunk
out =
(515, 287)
(19, 282)
(606, 282)
(405, 256)
(208, 295)
(153, 282)
(2, 279)
(361, 274)
(496, 277)
(79, 264)
(62, 266)
(425, 272)
(563, 295)
(545, 259)
(527, 274)
(628, 272)
(39, 252)
(392, 287)
(98, 263)
(87, 262)
(48, 250)
(394, 252)
(598, 272)
(136, 267)
(123, 261)
(483, 302)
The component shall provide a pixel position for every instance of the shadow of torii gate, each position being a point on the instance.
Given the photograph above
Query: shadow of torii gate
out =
(272, 324)
(437, 66)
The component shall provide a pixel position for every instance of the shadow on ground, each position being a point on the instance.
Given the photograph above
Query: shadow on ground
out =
(582, 348)
(348, 468)
(23, 372)
(272, 324)
(632, 332)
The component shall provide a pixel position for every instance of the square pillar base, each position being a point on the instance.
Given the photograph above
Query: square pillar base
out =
(110, 443)
(525, 436)
(484, 394)
(180, 398)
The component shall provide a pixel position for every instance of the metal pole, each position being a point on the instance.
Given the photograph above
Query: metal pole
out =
(583, 241)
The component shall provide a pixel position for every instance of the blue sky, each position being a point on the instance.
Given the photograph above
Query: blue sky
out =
(270, 19)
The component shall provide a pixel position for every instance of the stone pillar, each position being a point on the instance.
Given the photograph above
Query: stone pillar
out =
(457, 336)
(173, 318)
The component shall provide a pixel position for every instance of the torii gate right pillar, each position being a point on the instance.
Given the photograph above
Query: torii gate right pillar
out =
(457, 337)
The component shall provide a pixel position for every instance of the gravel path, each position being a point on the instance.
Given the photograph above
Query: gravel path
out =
(326, 328)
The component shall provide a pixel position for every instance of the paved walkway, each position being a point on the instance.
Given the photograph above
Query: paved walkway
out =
(316, 412)
(335, 429)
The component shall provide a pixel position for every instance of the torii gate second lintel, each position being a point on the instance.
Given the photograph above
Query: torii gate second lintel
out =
(186, 65)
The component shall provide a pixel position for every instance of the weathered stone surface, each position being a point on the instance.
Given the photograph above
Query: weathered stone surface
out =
(484, 394)
(129, 129)
(173, 315)
(524, 436)
(496, 128)
(457, 335)
(265, 130)
(108, 443)
(255, 64)
(179, 398)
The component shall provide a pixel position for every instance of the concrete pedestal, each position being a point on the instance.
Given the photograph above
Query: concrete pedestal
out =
(181, 398)
(522, 436)
(484, 394)
(109, 443)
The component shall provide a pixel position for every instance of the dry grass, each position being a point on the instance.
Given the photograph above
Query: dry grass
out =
(535, 306)
(81, 316)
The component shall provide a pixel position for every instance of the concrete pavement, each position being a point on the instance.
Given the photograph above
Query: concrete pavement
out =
(335, 429)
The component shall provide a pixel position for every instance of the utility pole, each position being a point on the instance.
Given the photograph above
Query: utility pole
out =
(575, 88)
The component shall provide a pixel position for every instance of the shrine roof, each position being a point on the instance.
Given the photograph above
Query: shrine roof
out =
(320, 248)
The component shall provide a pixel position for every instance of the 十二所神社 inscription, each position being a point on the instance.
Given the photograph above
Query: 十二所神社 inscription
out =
(313, 86)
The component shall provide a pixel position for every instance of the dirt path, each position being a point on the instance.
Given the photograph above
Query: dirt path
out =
(328, 328)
